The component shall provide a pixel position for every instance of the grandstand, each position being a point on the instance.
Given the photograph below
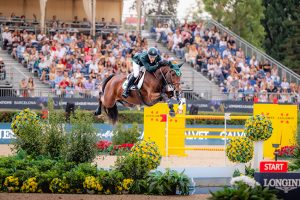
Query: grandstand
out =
(74, 52)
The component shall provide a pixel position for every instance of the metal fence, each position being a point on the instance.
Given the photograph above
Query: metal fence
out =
(189, 95)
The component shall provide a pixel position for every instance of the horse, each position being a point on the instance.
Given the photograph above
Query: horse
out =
(157, 86)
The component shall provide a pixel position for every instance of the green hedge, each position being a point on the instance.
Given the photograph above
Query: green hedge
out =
(124, 116)
(128, 117)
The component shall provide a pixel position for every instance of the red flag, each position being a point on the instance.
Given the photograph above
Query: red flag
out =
(163, 118)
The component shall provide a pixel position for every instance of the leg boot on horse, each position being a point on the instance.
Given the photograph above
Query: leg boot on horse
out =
(129, 84)
(171, 107)
(98, 110)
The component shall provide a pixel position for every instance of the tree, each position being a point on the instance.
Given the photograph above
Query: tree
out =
(282, 27)
(158, 7)
(240, 16)
(290, 49)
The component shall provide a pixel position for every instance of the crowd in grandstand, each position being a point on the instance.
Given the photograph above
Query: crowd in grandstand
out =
(217, 56)
(74, 63)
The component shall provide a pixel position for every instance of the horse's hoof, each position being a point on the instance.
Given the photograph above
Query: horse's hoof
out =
(172, 113)
(97, 112)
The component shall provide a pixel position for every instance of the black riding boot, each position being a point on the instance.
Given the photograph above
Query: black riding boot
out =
(129, 84)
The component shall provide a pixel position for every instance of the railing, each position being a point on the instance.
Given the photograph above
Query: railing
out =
(250, 50)
(8, 91)
(34, 26)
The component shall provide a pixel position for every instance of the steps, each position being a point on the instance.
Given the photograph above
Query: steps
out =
(192, 80)
(16, 72)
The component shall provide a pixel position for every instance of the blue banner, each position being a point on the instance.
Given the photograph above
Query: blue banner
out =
(105, 132)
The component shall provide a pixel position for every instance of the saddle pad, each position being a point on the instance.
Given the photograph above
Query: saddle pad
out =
(140, 81)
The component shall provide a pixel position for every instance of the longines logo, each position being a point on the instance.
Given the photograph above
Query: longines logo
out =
(285, 185)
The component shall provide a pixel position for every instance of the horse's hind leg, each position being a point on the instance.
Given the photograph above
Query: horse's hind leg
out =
(98, 110)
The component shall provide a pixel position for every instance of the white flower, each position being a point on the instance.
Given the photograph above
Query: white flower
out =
(245, 179)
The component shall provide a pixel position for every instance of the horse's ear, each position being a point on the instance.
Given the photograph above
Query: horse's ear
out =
(179, 65)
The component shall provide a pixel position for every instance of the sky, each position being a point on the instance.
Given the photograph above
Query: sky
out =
(182, 9)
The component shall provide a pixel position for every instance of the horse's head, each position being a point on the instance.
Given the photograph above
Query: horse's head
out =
(172, 76)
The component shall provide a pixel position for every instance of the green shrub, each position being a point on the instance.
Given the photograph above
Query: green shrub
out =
(121, 135)
(143, 157)
(168, 183)
(81, 141)
(30, 186)
(11, 184)
(242, 191)
(295, 162)
(54, 134)
(139, 186)
(27, 128)
(76, 176)
(58, 185)
(249, 171)
(111, 181)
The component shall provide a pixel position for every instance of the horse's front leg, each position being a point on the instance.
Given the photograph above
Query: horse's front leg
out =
(170, 104)
(180, 101)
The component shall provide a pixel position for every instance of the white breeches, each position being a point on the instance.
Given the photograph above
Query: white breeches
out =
(136, 69)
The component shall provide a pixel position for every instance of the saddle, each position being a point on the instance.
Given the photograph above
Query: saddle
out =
(138, 82)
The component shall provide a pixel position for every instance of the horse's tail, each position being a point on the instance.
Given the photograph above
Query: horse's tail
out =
(112, 113)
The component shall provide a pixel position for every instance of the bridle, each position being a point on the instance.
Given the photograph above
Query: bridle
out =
(166, 82)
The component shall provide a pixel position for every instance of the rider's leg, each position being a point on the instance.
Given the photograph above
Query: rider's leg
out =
(136, 69)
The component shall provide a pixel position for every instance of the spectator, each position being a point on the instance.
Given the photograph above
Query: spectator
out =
(7, 38)
(284, 84)
(31, 87)
(2, 69)
(23, 88)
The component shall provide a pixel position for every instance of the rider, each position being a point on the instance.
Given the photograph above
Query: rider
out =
(151, 60)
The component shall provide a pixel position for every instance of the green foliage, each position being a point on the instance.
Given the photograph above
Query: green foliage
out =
(167, 183)
(249, 171)
(81, 142)
(54, 133)
(239, 150)
(58, 185)
(242, 191)
(131, 167)
(121, 135)
(295, 162)
(241, 17)
(111, 180)
(126, 117)
(27, 128)
(258, 128)
(76, 176)
(159, 7)
(282, 27)
(144, 156)
(129, 117)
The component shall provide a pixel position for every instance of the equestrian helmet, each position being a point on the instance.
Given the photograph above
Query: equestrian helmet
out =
(153, 52)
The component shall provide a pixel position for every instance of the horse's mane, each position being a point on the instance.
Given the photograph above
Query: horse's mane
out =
(157, 72)
(105, 81)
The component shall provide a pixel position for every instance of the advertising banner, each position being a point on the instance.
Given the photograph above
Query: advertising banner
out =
(284, 122)
(92, 103)
(287, 184)
(105, 132)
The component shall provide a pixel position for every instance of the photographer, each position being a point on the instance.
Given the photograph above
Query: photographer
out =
(2, 70)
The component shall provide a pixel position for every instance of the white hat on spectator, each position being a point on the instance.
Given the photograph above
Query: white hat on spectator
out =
(1, 59)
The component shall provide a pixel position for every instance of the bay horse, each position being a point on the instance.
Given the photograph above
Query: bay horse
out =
(157, 86)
